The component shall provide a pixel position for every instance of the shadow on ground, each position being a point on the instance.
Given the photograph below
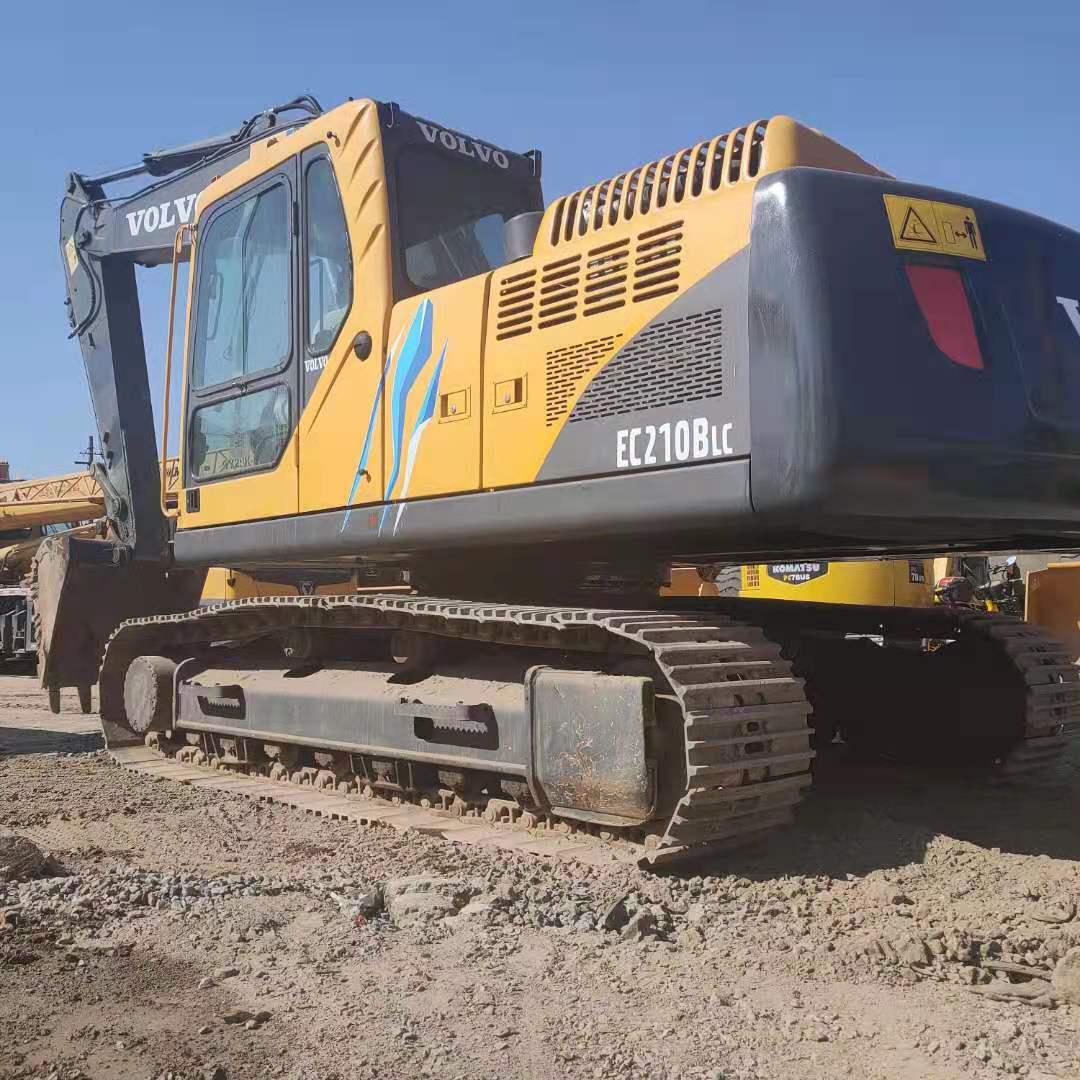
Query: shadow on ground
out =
(15, 740)
(860, 817)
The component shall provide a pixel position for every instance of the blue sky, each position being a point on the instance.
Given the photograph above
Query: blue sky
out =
(977, 97)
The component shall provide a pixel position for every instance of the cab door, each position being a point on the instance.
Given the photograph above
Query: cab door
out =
(344, 226)
(241, 453)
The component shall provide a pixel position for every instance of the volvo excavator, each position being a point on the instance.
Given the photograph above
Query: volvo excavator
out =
(398, 362)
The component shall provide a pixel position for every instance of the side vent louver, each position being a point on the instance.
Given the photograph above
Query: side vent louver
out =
(607, 270)
(689, 174)
(609, 276)
(515, 305)
(656, 264)
(559, 284)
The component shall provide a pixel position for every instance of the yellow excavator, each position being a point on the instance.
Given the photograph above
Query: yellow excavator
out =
(398, 361)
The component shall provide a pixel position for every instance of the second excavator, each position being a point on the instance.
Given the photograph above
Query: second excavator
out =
(398, 361)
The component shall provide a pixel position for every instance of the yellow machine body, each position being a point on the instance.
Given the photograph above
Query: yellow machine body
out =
(508, 361)
(878, 582)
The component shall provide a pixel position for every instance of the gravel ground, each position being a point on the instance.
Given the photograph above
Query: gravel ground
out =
(186, 933)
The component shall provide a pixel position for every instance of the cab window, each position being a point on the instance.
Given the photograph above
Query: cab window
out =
(329, 266)
(328, 257)
(239, 434)
(451, 214)
(241, 376)
(242, 325)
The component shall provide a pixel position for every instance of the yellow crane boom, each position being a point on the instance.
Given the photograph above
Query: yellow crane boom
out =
(52, 500)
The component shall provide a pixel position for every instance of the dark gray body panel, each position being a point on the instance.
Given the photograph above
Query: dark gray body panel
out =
(700, 341)
(862, 425)
(597, 511)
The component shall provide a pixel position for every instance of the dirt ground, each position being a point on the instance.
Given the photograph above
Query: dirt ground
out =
(189, 933)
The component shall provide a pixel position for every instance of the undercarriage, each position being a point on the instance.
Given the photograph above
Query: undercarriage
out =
(656, 733)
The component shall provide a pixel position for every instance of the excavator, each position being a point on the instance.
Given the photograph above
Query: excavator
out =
(399, 362)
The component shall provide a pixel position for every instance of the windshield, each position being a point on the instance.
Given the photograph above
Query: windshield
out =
(451, 215)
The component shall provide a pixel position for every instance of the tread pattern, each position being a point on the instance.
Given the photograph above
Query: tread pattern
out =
(747, 736)
(1052, 710)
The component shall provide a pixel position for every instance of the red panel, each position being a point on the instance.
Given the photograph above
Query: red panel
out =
(943, 300)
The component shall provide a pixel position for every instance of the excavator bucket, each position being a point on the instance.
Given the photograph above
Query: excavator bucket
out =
(82, 591)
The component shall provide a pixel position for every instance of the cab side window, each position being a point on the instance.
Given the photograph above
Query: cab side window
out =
(329, 267)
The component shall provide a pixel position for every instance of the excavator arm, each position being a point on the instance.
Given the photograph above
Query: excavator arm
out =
(105, 233)
(103, 238)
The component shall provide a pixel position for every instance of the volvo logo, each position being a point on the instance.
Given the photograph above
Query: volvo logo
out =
(1072, 309)
(468, 147)
(155, 218)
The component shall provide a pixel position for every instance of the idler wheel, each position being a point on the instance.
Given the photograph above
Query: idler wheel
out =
(148, 693)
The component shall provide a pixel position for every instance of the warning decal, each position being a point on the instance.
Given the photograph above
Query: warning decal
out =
(69, 254)
(924, 225)
(914, 228)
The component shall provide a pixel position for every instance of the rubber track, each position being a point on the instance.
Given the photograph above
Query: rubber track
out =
(1052, 712)
(747, 746)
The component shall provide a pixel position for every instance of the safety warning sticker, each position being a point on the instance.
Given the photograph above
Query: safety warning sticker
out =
(944, 228)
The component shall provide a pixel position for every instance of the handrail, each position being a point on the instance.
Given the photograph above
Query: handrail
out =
(178, 247)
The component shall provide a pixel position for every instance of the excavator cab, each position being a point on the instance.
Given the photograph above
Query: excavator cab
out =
(300, 255)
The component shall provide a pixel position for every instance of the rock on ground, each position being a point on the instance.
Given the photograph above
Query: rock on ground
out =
(20, 858)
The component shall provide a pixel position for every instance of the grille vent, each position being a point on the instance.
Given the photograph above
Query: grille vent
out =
(565, 369)
(559, 286)
(669, 363)
(656, 265)
(514, 310)
(688, 174)
(607, 277)
(607, 272)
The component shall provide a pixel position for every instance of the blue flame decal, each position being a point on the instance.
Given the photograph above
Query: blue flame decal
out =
(407, 364)
(427, 411)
